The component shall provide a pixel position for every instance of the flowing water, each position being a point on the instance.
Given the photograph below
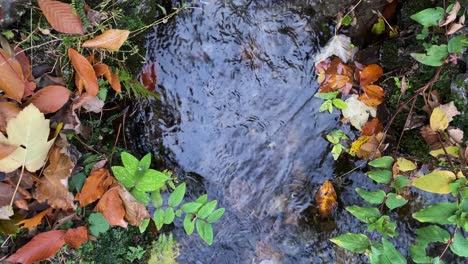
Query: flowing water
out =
(238, 120)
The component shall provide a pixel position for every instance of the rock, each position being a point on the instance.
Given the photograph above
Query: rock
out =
(12, 10)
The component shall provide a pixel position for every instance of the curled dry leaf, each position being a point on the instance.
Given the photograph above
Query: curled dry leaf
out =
(135, 211)
(8, 110)
(85, 72)
(326, 199)
(61, 17)
(452, 15)
(95, 186)
(75, 237)
(370, 74)
(111, 39)
(50, 99)
(340, 46)
(35, 220)
(372, 127)
(102, 69)
(88, 103)
(41, 247)
(373, 95)
(335, 75)
(110, 205)
(450, 110)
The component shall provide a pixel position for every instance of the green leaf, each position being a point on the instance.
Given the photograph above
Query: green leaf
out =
(418, 253)
(141, 196)
(400, 182)
(158, 218)
(373, 197)
(432, 233)
(390, 255)
(215, 216)
(394, 201)
(207, 209)
(451, 150)
(384, 162)
(152, 180)
(346, 20)
(435, 182)
(205, 231)
(438, 213)
(405, 165)
(178, 212)
(326, 96)
(76, 182)
(456, 44)
(98, 224)
(189, 225)
(336, 151)
(145, 162)
(434, 56)
(143, 225)
(126, 178)
(156, 199)
(335, 136)
(191, 207)
(169, 216)
(340, 104)
(130, 162)
(384, 226)
(429, 17)
(459, 245)
(357, 243)
(177, 195)
(379, 27)
(380, 176)
(202, 199)
(325, 105)
(365, 214)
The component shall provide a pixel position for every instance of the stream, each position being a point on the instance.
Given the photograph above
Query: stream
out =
(237, 120)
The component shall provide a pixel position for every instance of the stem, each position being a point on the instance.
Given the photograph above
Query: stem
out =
(449, 242)
(17, 185)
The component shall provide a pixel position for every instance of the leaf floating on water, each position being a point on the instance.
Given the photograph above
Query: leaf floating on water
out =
(111, 39)
(326, 199)
(148, 77)
(340, 46)
(61, 17)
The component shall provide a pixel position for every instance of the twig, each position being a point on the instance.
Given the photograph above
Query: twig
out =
(406, 122)
(449, 242)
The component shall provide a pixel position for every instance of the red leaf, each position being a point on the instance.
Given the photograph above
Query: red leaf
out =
(148, 77)
(372, 127)
(102, 69)
(85, 72)
(50, 99)
(75, 237)
(61, 17)
(41, 247)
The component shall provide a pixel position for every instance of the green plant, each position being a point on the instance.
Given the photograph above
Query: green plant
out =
(140, 180)
(335, 138)
(330, 101)
(164, 251)
(135, 253)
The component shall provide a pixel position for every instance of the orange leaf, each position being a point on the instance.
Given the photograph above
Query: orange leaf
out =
(370, 74)
(135, 211)
(11, 77)
(94, 187)
(53, 186)
(326, 199)
(61, 17)
(373, 95)
(41, 247)
(23, 60)
(111, 39)
(35, 220)
(50, 99)
(370, 147)
(85, 72)
(148, 77)
(102, 69)
(75, 237)
(372, 127)
(110, 205)
(8, 110)
(115, 84)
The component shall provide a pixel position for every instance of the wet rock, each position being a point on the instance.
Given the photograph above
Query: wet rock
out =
(12, 10)
(267, 254)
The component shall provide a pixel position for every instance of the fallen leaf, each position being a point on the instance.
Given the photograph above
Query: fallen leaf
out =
(405, 165)
(53, 186)
(373, 95)
(149, 79)
(340, 46)
(450, 110)
(370, 74)
(95, 186)
(370, 148)
(22, 204)
(29, 131)
(452, 15)
(372, 127)
(41, 247)
(89, 103)
(6, 191)
(110, 205)
(12, 81)
(8, 110)
(75, 237)
(6, 212)
(115, 84)
(357, 112)
(111, 39)
(35, 220)
(135, 211)
(61, 17)
(6, 150)
(23, 60)
(85, 72)
(439, 120)
(102, 69)
(326, 199)
(50, 99)
(456, 135)
(9, 226)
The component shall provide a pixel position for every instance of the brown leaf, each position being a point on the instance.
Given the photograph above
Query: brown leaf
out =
(23, 60)
(373, 95)
(450, 110)
(22, 204)
(370, 147)
(35, 220)
(326, 199)
(8, 110)
(111, 40)
(61, 17)
(115, 84)
(456, 135)
(11, 77)
(110, 205)
(6, 150)
(75, 237)
(53, 186)
(85, 71)
(89, 103)
(370, 74)
(95, 186)
(41, 247)
(135, 211)
(149, 79)
(454, 28)
(102, 69)
(50, 99)
(6, 192)
(372, 127)
(451, 16)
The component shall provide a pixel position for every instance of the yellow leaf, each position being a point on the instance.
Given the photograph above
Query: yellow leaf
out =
(405, 165)
(451, 150)
(28, 131)
(435, 182)
(439, 120)
(111, 39)
(326, 199)
(35, 220)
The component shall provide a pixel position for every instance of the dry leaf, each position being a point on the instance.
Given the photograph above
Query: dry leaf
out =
(340, 46)
(27, 71)
(85, 72)
(88, 103)
(357, 112)
(326, 199)
(450, 110)
(6, 191)
(373, 95)
(35, 220)
(135, 211)
(41, 247)
(12, 81)
(95, 186)
(372, 127)
(368, 149)
(61, 17)
(102, 69)
(451, 16)
(53, 186)
(370, 74)
(456, 135)
(111, 39)
(50, 99)
(6, 150)
(439, 120)
(110, 205)
(8, 110)
(75, 237)
(29, 131)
